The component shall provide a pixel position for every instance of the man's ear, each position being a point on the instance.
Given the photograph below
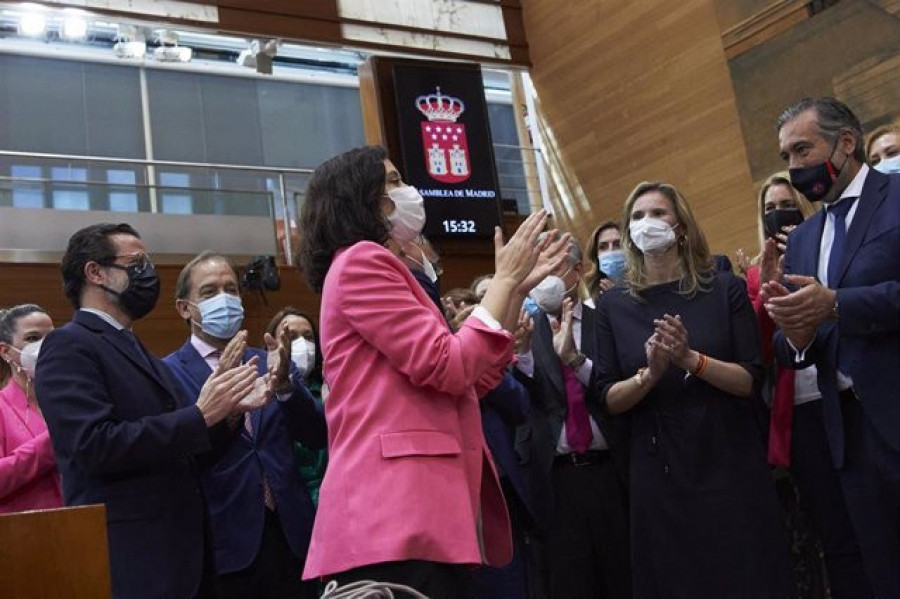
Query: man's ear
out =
(183, 308)
(92, 273)
(847, 142)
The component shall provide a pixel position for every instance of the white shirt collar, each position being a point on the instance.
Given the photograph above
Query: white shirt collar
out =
(203, 348)
(105, 317)
(854, 190)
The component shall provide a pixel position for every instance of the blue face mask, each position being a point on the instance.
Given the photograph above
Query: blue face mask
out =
(613, 264)
(889, 165)
(221, 315)
(531, 306)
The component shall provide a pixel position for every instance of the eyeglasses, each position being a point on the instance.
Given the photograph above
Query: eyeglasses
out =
(139, 261)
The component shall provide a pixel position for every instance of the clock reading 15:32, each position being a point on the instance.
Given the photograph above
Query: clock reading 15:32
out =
(459, 226)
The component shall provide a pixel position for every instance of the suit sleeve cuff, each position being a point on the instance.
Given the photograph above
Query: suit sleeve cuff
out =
(525, 363)
(583, 374)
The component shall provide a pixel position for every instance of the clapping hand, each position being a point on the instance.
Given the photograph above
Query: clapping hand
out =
(657, 359)
(460, 317)
(523, 333)
(278, 361)
(672, 337)
(259, 396)
(563, 337)
(232, 354)
(743, 260)
(799, 313)
(516, 259)
(553, 254)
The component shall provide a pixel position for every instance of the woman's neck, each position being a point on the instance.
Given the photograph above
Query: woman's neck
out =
(26, 386)
(662, 268)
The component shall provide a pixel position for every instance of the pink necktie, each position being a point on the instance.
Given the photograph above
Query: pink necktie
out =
(578, 426)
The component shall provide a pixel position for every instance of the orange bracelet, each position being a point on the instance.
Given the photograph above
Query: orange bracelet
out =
(702, 364)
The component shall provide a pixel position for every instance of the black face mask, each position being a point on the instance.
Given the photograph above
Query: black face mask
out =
(139, 298)
(775, 220)
(816, 181)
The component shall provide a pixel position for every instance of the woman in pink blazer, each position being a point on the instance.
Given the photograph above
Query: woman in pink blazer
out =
(28, 476)
(410, 495)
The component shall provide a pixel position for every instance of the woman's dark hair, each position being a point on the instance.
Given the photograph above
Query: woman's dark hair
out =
(342, 207)
(316, 373)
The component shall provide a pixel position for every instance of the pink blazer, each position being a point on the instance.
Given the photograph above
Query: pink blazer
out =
(28, 476)
(409, 474)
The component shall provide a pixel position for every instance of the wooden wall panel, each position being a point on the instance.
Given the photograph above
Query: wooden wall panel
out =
(161, 331)
(813, 58)
(55, 554)
(640, 90)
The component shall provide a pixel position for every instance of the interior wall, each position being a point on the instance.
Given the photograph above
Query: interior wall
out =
(849, 51)
(162, 331)
(640, 90)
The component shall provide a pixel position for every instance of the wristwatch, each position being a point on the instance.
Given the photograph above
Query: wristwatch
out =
(576, 362)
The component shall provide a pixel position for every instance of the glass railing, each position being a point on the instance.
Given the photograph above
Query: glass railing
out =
(165, 196)
(186, 204)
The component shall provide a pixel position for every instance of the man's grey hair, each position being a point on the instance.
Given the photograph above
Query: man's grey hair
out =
(833, 117)
(183, 284)
(575, 253)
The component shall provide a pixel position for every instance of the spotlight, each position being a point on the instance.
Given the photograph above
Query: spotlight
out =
(130, 42)
(259, 56)
(32, 24)
(169, 50)
(74, 28)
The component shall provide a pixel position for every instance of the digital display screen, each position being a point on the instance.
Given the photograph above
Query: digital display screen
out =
(446, 146)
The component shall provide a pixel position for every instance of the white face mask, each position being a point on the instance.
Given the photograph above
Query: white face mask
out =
(652, 235)
(408, 218)
(550, 293)
(303, 354)
(28, 357)
(889, 165)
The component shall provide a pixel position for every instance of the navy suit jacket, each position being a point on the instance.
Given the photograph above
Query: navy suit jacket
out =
(504, 408)
(536, 441)
(233, 478)
(124, 435)
(864, 341)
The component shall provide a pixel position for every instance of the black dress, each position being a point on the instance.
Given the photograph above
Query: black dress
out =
(704, 515)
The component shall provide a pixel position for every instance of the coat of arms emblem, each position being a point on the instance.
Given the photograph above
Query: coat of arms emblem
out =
(444, 141)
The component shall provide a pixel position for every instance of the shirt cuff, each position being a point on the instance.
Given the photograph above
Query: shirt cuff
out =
(525, 363)
(283, 397)
(583, 374)
(799, 354)
(481, 313)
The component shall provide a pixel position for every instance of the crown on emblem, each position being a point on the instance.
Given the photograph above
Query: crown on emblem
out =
(437, 107)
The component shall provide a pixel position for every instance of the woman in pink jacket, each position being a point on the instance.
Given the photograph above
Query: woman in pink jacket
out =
(410, 495)
(28, 476)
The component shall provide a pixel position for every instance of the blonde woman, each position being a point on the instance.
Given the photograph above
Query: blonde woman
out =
(680, 359)
(883, 149)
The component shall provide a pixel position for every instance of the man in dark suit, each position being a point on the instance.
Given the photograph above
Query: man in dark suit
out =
(842, 313)
(262, 514)
(569, 450)
(123, 433)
